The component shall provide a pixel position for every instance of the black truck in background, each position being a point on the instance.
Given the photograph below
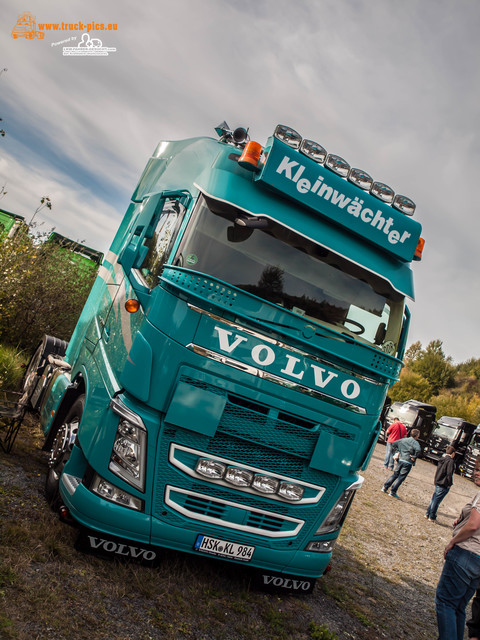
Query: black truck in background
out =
(414, 415)
(471, 454)
(449, 431)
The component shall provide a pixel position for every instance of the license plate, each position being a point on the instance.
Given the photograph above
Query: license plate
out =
(224, 549)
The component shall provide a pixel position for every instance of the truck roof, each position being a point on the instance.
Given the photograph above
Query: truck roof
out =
(211, 167)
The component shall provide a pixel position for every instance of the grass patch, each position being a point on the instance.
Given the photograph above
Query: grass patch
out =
(11, 369)
(320, 633)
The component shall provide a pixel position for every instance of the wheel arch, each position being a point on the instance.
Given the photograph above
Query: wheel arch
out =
(77, 388)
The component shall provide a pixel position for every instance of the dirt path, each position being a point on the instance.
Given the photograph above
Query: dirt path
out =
(385, 569)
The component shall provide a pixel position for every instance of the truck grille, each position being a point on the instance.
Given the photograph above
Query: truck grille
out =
(249, 433)
(231, 515)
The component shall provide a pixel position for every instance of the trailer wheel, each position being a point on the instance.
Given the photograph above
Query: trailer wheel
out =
(63, 442)
(30, 378)
(36, 367)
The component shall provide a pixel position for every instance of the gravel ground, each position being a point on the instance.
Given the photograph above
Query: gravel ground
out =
(385, 569)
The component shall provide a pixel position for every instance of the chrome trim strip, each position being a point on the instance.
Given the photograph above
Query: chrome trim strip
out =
(231, 525)
(270, 377)
(201, 454)
(283, 345)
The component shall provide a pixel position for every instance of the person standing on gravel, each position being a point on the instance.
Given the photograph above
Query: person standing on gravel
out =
(443, 481)
(473, 625)
(461, 571)
(408, 450)
(396, 431)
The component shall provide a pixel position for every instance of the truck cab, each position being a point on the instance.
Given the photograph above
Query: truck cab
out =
(414, 415)
(472, 452)
(449, 431)
(223, 387)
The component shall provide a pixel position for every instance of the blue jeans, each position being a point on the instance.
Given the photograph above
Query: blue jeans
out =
(457, 584)
(438, 496)
(389, 462)
(398, 476)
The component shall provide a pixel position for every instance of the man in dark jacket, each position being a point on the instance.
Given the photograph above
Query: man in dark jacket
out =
(443, 482)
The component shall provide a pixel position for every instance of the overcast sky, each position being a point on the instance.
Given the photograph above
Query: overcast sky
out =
(393, 87)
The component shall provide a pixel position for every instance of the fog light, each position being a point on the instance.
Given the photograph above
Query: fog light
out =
(288, 135)
(110, 492)
(404, 204)
(337, 165)
(239, 477)
(361, 178)
(265, 484)
(321, 546)
(210, 468)
(290, 491)
(313, 150)
(382, 192)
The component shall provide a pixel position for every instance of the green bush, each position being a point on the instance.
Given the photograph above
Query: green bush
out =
(43, 288)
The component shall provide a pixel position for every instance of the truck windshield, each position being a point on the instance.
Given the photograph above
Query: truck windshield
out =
(444, 431)
(406, 416)
(280, 266)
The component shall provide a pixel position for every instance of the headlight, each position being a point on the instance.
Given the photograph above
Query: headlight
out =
(334, 519)
(129, 449)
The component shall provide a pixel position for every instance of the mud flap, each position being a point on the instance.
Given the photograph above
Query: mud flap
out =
(274, 582)
(107, 546)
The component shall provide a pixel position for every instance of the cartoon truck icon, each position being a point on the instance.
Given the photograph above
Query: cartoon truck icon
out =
(26, 27)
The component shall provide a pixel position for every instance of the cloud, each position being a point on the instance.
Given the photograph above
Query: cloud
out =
(392, 87)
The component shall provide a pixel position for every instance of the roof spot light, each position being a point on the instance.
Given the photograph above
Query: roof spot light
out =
(337, 164)
(313, 150)
(288, 135)
(361, 178)
(382, 192)
(404, 204)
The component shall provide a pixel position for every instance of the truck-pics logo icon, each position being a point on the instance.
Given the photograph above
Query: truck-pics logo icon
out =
(26, 27)
(88, 47)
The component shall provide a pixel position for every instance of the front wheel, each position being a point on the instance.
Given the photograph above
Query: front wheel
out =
(63, 442)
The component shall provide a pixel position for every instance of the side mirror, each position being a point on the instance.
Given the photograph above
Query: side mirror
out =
(238, 234)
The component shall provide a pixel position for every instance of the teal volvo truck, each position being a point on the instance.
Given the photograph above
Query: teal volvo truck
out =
(222, 389)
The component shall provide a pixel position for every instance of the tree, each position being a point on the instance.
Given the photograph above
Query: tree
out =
(458, 405)
(411, 386)
(470, 367)
(432, 364)
(413, 352)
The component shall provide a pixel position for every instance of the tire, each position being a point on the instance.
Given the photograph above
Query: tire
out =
(62, 445)
(36, 367)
